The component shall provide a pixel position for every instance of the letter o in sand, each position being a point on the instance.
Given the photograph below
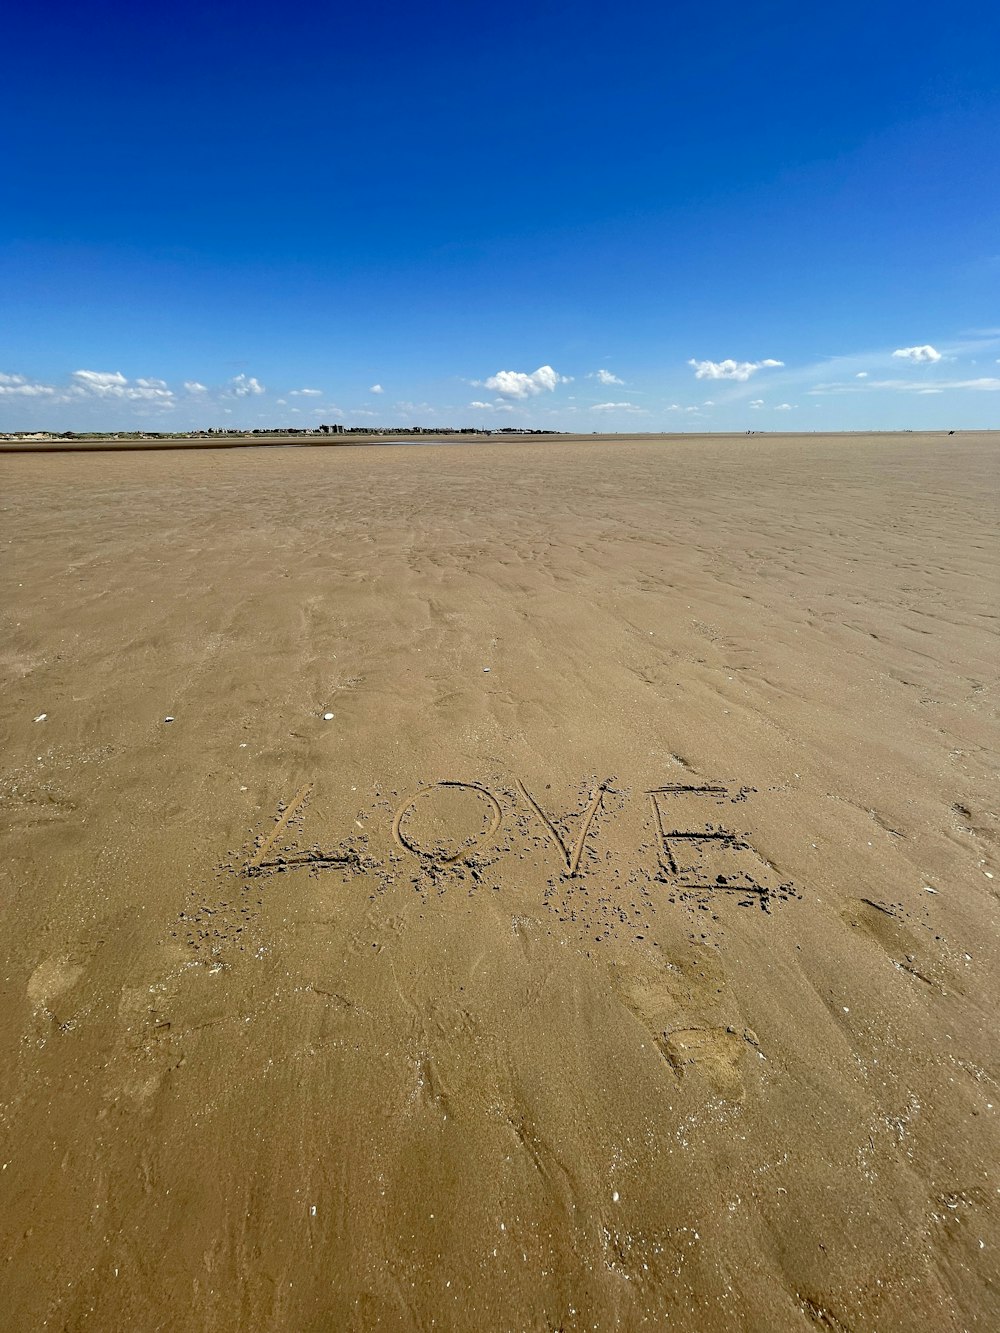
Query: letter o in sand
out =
(438, 817)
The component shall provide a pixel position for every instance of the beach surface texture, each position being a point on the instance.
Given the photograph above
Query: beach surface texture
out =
(520, 886)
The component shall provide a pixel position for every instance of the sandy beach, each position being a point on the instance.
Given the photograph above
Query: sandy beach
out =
(619, 953)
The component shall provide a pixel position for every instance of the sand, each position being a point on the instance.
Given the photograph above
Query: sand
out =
(430, 1015)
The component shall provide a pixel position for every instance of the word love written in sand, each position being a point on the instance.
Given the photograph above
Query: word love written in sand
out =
(696, 854)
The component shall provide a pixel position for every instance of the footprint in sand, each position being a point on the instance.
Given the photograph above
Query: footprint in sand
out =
(715, 1054)
(51, 980)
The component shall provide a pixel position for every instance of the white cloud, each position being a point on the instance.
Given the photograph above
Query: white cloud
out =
(295, 393)
(99, 384)
(757, 402)
(483, 407)
(376, 388)
(785, 407)
(615, 407)
(100, 381)
(918, 354)
(606, 377)
(21, 387)
(113, 384)
(986, 383)
(243, 386)
(930, 391)
(281, 402)
(193, 386)
(859, 372)
(491, 407)
(518, 384)
(406, 408)
(729, 369)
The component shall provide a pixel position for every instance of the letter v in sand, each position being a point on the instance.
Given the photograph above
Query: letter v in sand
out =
(571, 857)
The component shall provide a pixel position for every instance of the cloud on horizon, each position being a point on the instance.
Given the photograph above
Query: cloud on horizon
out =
(113, 384)
(985, 383)
(988, 383)
(21, 387)
(870, 380)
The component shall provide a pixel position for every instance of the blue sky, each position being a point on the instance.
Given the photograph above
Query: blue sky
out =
(649, 217)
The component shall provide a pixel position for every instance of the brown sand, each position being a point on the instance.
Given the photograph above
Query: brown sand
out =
(301, 1033)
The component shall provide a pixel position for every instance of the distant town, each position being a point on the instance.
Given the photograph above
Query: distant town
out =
(282, 432)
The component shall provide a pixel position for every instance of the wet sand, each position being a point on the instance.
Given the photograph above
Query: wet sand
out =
(620, 954)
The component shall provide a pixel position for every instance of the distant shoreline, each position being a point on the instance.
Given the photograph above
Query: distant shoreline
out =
(140, 443)
(201, 440)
